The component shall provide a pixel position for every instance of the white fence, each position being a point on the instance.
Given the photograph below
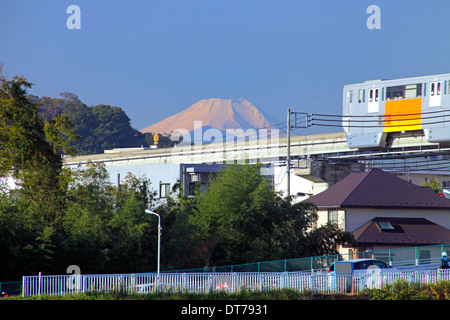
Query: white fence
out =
(315, 282)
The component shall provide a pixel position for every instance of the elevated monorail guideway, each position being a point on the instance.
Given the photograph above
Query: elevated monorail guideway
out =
(317, 146)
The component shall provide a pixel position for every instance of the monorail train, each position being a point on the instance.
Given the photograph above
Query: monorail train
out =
(374, 109)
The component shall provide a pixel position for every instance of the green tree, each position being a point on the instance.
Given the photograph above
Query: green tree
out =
(109, 224)
(181, 249)
(433, 184)
(82, 118)
(113, 128)
(30, 149)
(25, 247)
(241, 219)
(99, 127)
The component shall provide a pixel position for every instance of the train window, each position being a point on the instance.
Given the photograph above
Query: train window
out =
(373, 94)
(394, 93)
(404, 92)
(435, 88)
(361, 93)
(413, 91)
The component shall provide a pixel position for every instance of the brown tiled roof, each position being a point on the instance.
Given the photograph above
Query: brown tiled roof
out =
(406, 231)
(378, 189)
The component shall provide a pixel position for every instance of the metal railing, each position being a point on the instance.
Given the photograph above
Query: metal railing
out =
(422, 255)
(314, 282)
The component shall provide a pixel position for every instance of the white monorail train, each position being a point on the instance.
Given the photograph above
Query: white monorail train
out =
(374, 109)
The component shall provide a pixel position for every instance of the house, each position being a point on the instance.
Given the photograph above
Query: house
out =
(400, 232)
(384, 211)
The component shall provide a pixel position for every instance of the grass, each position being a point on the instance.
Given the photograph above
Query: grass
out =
(402, 290)
(285, 294)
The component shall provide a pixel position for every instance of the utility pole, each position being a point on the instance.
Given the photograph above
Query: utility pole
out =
(288, 158)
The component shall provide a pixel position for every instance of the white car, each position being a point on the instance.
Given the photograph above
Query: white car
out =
(364, 264)
(364, 273)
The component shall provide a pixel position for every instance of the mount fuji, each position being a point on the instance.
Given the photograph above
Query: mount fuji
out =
(221, 115)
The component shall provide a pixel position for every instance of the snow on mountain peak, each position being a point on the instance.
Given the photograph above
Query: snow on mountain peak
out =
(221, 114)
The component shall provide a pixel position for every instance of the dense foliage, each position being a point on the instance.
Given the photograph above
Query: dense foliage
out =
(100, 127)
(54, 217)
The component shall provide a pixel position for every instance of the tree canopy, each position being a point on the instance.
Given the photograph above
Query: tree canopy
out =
(99, 127)
(240, 210)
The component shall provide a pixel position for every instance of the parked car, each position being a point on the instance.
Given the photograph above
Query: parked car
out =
(364, 264)
(366, 274)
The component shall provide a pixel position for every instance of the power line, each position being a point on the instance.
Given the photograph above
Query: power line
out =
(384, 123)
(372, 116)
(379, 126)
(387, 118)
(412, 167)
(359, 121)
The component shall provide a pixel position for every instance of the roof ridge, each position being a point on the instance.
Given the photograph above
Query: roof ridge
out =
(364, 175)
(380, 189)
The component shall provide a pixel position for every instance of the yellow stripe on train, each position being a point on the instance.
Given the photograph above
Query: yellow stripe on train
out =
(403, 115)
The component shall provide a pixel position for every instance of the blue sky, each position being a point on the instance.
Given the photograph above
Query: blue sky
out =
(155, 58)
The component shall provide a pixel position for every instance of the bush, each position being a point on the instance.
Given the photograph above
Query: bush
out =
(403, 290)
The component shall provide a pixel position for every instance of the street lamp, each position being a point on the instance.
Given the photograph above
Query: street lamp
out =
(159, 235)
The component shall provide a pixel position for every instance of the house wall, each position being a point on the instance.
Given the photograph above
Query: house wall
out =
(164, 173)
(298, 185)
(323, 218)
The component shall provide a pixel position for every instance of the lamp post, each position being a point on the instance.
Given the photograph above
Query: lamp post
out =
(159, 235)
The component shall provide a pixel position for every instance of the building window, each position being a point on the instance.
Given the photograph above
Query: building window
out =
(164, 190)
(385, 225)
(332, 216)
